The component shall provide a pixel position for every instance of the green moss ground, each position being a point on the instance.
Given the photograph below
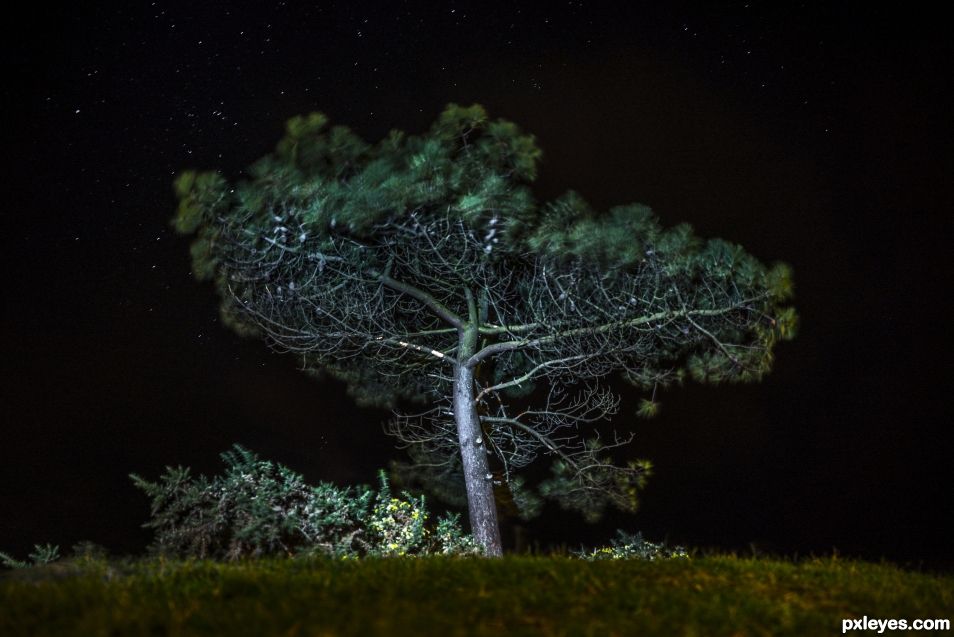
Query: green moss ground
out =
(447, 596)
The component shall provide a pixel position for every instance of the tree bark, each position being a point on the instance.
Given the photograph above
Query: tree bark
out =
(480, 487)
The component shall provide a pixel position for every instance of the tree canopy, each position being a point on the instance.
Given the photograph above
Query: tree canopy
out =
(398, 266)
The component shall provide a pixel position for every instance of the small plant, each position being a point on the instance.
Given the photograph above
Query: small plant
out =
(396, 526)
(626, 546)
(448, 538)
(399, 527)
(42, 554)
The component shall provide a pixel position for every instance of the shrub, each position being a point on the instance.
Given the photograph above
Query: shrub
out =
(259, 508)
(626, 546)
(399, 527)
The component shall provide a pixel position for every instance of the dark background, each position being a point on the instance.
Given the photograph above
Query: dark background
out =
(815, 135)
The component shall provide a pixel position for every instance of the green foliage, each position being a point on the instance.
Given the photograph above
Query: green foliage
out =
(11, 562)
(525, 499)
(399, 526)
(259, 508)
(325, 181)
(441, 477)
(396, 526)
(448, 538)
(200, 196)
(338, 181)
(603, 484)
(786, 323)
(779, 281)
(42, 554)
(627, 546)
(647, 408)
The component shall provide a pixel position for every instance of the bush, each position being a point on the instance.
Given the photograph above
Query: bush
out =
(628, 547)
(399, 527)
(260, 508)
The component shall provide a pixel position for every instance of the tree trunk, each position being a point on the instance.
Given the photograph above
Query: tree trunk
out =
(477, 476)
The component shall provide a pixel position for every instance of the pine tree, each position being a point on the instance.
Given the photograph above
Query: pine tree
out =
(422, 269)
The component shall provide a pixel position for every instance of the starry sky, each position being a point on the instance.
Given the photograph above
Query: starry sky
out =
(814, 134)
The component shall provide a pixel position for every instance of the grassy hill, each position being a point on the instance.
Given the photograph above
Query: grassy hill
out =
(459, 596)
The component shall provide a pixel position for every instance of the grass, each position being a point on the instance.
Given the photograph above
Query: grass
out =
(458, 596)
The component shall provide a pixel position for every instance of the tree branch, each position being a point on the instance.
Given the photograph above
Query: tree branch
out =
(549, 444)
(506, 346)
(419, 348)
(525, 377)
(435, 306)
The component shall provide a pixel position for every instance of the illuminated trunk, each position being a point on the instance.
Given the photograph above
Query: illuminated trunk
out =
(473, 451)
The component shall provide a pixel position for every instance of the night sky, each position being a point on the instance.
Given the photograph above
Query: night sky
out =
(815, 135)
